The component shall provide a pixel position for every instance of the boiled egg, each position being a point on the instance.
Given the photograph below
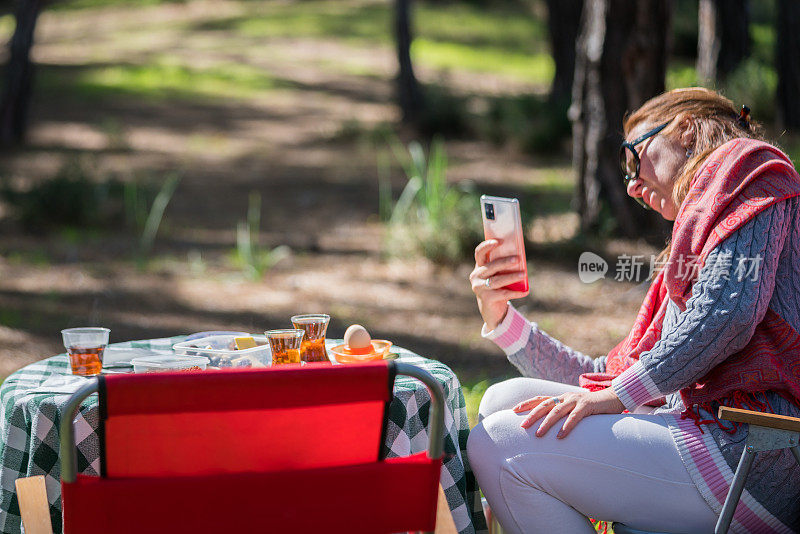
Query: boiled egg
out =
(356, 337)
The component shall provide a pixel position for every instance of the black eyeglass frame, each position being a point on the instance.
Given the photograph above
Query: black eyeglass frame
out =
(623, 158)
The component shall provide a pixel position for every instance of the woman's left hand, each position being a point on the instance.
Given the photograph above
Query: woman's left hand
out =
(574, 406)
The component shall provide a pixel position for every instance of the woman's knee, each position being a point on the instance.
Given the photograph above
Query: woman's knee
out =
(500, 396)
(507, 394)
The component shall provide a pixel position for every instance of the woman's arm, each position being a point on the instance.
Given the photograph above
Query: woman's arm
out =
(536, 354)
(720, 316)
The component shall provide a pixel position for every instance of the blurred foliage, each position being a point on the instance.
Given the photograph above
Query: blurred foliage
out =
(73, 198)
(762, 21)
(791, 145)
(155, 214)
(753, 84)
(430, 218)
(445, 113)
(754, 81)
(250, 256)
(79, 199)
(536, 124)
(681, 74)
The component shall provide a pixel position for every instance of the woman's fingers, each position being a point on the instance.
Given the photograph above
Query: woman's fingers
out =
(529, 404)
(499, 281)
(574, 406)
(536, 414)
(495, 266)
(539, 406)
(497, 284)
(482, 251)
(560, 410)
(552, 409)
(573, 419)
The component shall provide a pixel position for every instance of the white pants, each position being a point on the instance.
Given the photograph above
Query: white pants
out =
(622, 468)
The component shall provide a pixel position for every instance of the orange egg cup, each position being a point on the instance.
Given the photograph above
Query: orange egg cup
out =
(343, 354)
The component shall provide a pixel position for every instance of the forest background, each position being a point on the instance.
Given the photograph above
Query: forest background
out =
(170, 167)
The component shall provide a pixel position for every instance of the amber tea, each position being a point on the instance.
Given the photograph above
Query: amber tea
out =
(285, 345)
(86, 361)
(314, 327)
(85, 347)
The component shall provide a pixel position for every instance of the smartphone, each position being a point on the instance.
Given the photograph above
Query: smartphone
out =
(502, 221)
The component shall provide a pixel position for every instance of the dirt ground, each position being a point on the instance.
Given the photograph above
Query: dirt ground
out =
(320, 198)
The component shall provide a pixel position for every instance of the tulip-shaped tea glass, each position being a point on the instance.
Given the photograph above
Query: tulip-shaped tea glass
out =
(85, 347)
(314, 326)
(285, 345)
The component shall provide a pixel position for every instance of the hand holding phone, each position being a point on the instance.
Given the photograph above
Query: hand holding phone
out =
(500, 272)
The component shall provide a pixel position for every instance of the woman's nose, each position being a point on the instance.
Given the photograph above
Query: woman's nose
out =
(634, 188)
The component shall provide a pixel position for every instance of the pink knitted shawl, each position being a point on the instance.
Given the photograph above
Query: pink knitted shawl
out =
(736, 182)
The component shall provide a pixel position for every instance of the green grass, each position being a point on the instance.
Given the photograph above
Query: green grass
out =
(504, 29)
(535, 68)
(448, 36)
(372, 22)
(161, 80)
(473, 393)
(360, 23)
(69, 5)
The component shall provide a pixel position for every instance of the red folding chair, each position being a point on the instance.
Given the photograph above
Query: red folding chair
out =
(285, 449)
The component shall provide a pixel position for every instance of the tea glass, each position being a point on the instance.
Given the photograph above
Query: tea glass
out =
(85, 347)
(314, 325)
(285, 345)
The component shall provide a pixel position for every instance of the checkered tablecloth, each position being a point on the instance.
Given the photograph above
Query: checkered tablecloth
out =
(32, 410)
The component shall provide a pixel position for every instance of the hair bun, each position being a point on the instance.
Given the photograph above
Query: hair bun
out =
(744, 118)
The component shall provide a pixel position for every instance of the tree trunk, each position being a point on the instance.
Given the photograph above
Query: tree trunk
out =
(409, 94)
(733, 25)
(723, 38)
(563, 23)
(620, 63)
(787, 54)
(708, 42)
(19, 75)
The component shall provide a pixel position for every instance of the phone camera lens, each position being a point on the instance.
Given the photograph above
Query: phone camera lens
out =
(490, 211)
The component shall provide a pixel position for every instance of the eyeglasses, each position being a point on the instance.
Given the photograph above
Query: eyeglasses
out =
(630, 165)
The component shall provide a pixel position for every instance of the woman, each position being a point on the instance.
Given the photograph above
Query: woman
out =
(719, 325)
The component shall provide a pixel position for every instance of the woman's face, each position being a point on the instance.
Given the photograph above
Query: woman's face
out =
(661, 158)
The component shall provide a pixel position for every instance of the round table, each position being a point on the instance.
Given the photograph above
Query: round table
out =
(32, 402)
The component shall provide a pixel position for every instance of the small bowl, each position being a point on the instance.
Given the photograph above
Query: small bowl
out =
(380, 348)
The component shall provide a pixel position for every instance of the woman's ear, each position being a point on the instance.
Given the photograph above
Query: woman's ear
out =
(687, 134)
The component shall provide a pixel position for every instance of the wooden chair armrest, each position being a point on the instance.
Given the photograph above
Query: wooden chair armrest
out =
(33, 505)
(769, 420)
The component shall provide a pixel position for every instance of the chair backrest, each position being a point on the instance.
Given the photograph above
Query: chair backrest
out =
(242, 421)
(284, 449)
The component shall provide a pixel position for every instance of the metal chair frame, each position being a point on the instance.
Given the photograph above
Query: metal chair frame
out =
(759, 438)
